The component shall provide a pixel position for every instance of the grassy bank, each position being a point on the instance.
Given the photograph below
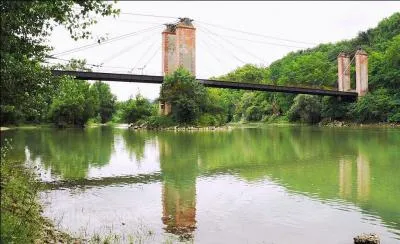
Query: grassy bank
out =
(21, 219)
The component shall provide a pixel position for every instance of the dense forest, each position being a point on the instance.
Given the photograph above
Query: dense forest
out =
(317, 67)
(30, 94)
(314, 67)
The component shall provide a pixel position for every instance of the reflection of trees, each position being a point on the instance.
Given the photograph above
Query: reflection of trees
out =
(16, 140)
(327, 163)
(69, 152)
(135, 142)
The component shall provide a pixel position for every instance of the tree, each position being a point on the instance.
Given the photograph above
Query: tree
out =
(74, 104)
(332, 108)
(136, 109)
(185, 94)
(306, 108)
(26, 86)
(106, 100)
(377, 106)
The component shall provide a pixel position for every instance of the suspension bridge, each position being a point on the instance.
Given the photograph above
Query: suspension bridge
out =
(178, 48)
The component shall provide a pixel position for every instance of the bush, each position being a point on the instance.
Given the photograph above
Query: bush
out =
(208, 119)
(185, 94)
(378, 106)
(157, 121)
(306, 108)
(395, 118)
(136, 109)
(107, 101)
(333, 109)
(253, 113)
(20, 211)
(74, 104)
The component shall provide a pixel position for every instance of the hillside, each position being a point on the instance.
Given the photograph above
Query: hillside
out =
(317, 67)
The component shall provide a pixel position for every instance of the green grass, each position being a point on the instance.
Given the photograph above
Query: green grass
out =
(21, 219)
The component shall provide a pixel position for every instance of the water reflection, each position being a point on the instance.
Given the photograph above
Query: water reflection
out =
(358, 166)
(179, 185)
(363, 178)
(345, 179)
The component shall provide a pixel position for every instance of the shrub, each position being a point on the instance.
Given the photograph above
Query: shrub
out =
(74, 104)
(208, 119)
(185, 94)
(253, 113)
(157, 121)
(333, 109)
(306, 108)
(136, 109)
(376, 106)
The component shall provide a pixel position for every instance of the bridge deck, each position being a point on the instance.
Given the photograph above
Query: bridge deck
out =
(86, 75)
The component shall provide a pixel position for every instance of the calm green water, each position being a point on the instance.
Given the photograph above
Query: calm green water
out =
(246, 185)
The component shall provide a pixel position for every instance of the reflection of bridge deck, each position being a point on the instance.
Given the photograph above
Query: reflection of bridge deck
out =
(104, 181)
(84, 75)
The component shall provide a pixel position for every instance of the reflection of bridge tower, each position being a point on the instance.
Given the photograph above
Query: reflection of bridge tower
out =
(178, 50)
(363, 177)
(179, 209)
(346, 179)
(178, 192)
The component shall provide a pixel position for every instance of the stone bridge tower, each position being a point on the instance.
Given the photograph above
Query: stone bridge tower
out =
(178, 50)
(344, 64)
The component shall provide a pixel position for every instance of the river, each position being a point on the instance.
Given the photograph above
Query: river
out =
(271, 184)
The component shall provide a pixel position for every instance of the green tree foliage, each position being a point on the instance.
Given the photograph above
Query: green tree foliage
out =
(248, 73)
(74, 104)
(377, 106)
(134, 110)
(333, 108)
(317, 67)
(305, 108)
(107, 100)
(27, 87)
(185, 94)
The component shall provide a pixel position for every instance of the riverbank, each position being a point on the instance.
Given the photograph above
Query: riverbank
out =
(336, 123)
(225, 127)
(21, 211)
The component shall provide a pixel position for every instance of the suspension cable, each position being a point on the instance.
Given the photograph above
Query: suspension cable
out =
(351, 61)
(209, 52)
(255, 34)
(117, 38)
(232, 44)
(261, 42)
(151, 58)
(144, 54)
(212, 55)
(211, 38)
(126, 49)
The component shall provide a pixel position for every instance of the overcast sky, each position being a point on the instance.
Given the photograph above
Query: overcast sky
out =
(282, 27)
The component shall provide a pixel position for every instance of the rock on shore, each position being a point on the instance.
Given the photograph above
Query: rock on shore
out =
(367, 239)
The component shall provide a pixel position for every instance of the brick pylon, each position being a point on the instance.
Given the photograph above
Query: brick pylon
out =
(178, 50)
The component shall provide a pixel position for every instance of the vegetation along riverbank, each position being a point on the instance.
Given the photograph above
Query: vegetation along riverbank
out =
(77, 103)
(21, 211)
(32, 97)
